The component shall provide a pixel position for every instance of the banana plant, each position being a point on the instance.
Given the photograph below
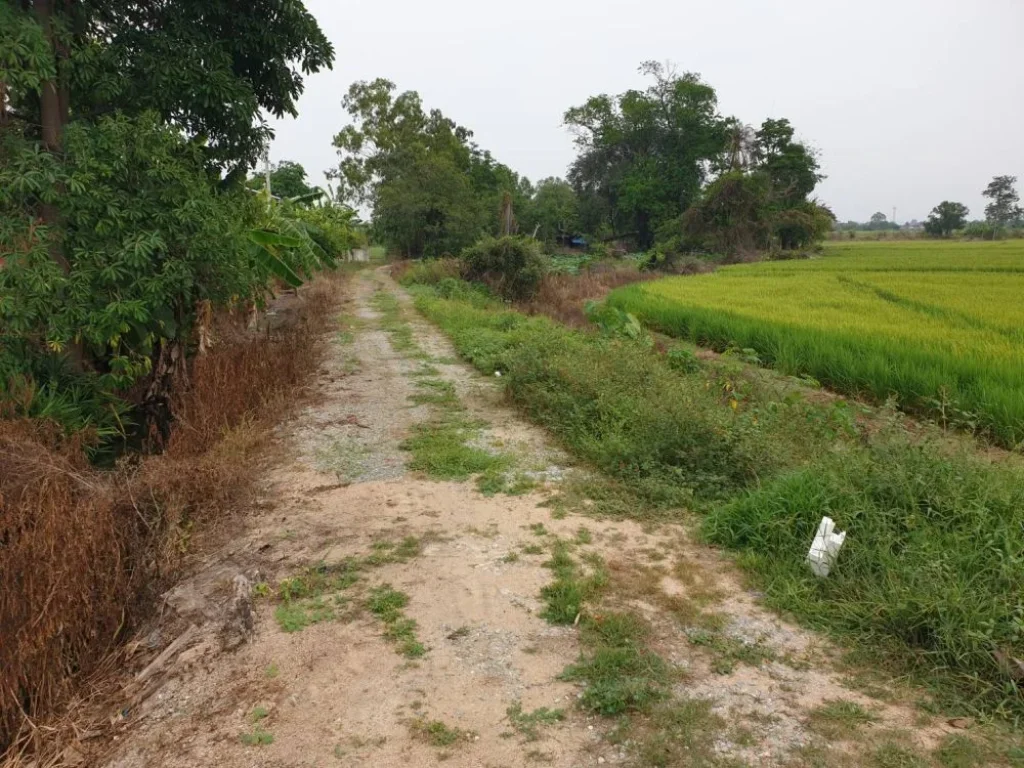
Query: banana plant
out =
(274, 252)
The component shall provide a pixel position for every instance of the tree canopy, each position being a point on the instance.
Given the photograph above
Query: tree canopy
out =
(644, 155)
(209, 67)
(1004, 209)
(663, 164)
(122, 124)
(946, 217)
(554, 211)
(431, 189)
(287, 180)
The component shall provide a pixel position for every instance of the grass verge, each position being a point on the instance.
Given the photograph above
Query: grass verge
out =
(443, 447)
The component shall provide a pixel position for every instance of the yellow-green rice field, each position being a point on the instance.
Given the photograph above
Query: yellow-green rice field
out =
(940, 325)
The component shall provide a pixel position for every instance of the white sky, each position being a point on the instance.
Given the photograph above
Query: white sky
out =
(909, 102)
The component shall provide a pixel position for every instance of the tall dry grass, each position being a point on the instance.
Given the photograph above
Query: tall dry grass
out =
(84, 552)
(563, 297)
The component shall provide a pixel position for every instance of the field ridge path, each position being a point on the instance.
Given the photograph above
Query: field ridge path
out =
(338, 691)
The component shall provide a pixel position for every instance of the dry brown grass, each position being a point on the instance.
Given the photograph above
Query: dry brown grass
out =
(83, 551)
(64, 568)
(562, 297)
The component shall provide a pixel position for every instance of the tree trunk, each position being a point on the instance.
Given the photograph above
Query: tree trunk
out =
(52, 118)
(644, 236)
(52, 127)
(49, 98)
(169, 373)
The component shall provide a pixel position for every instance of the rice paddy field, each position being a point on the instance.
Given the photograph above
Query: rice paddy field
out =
(939, 325)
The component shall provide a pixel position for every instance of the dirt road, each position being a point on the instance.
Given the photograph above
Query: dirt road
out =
(397, 617)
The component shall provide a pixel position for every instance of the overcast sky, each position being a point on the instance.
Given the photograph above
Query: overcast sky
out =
(909, 102)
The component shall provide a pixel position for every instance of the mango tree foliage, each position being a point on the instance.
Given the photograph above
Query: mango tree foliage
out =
(287, 180)
(207, 66)
(118, 120)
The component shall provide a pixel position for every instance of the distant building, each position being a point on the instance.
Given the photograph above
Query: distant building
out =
(913, 225)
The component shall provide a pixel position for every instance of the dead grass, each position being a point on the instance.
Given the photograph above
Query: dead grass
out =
(83, 552)
(66, 582)
(562, 297)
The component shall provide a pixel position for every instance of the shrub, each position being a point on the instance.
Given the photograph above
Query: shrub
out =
(512, 266)
(683, 360)
(106, 304)
(564, 296)
(982, 230)
(145, 237)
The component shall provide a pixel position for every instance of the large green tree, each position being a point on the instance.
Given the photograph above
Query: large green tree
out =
(759, 198)
(287, 180)
(118, 119)
(790, 166)
(946, 217)
(553, 213)
(1004, 208)
(210, 67)
(645, 154)
(431, 189)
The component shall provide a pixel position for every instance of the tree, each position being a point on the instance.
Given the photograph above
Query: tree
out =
(744, 212)
(879, 218)
(432, 191)
(645, 154)
(791, 167)
(209, 67)
(554, 212)
(731, 217)
(117, 119)
(1004, 208)
(740, 149)
(287, 180)
(758, 201)
(205, 67)
(946, 217)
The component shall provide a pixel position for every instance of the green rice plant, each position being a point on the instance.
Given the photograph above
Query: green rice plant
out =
(940, 325)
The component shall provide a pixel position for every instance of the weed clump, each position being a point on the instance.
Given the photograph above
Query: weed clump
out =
(439, 734)
(528, 724)
(386, 604)
(620, 673)
(441, 449)
(931, 569)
